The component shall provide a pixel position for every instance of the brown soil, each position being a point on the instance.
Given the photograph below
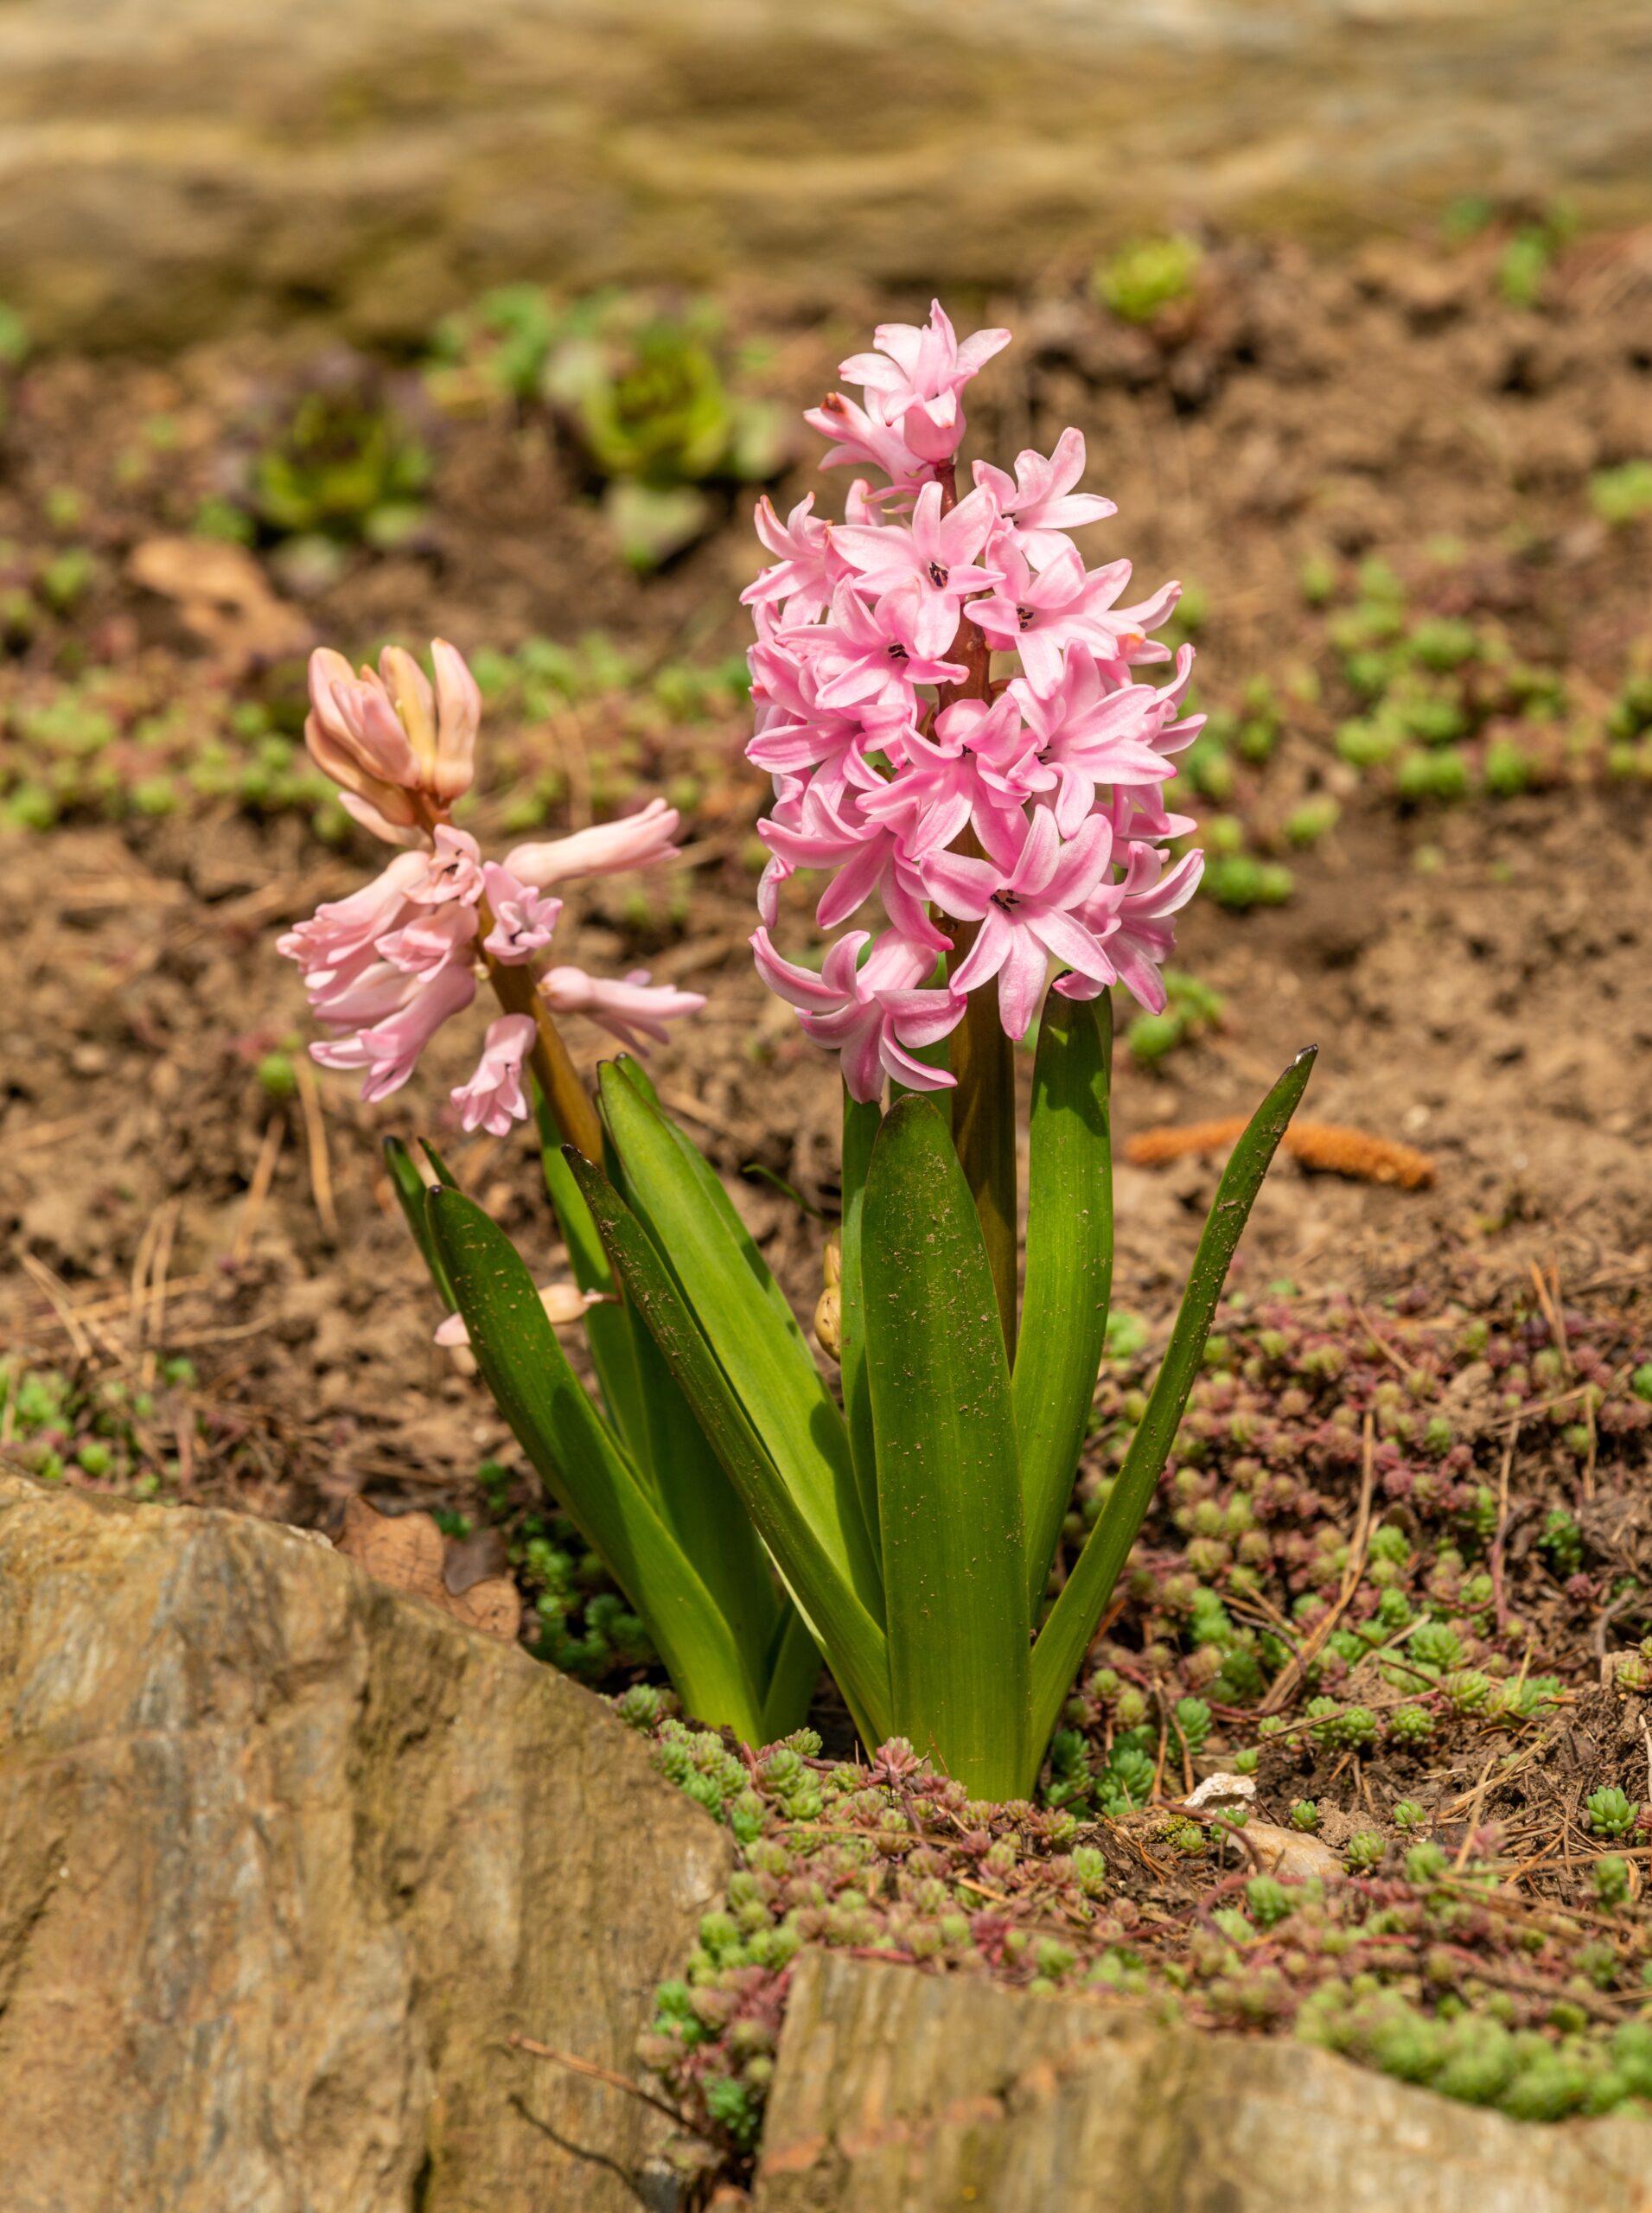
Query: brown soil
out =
(1476, 976)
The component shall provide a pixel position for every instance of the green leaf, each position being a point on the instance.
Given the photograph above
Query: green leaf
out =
(708, 1183)
(746, 1320)
(1070, 1264)
(607, 1329)
(949, 1489)
(819, 1581)
(860, 1127)
(1066, 1636)
(792, 1679)
(584, 1467)
(410, 1187)
(444, 1175)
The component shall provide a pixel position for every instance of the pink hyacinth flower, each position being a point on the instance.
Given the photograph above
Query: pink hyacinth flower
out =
(866, 856)
(869, 1012)
(915, 376)
(1087, 733)
(440, 720)
(389, 1050)
(453, 869)
(1038, 617)
(799, 578)
(860, 440)
(1135, 915)
(868, 656)
(1024, 895)
(493, 1099)
(1040, 500)
(634, 841)
(794, 732)
(523, 920)
(927, 565)
(342, 936)
(979, 760)
(430, 938)
(354, 738)
(629, 1007)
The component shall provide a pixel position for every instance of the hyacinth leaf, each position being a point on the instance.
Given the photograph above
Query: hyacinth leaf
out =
(709, 1186)
(1070, 1263)
(791, 1677)
(1066, 1636)
(439, 1168)
(410, 1188)
(950, 1488)
(812, 1566)
(608, 1331)
(860, 1127)
(745, 1319)
(585, 1468)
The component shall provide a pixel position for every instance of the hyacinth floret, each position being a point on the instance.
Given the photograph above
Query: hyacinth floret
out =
(1002, 820)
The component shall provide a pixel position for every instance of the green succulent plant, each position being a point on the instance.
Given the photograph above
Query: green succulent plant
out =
(342, 465)
(644, 392)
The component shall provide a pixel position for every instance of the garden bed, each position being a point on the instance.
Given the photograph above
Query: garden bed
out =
(1411, 500)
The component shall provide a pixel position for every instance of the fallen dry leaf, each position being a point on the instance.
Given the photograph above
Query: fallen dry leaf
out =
(408, 1553)
(222, 595)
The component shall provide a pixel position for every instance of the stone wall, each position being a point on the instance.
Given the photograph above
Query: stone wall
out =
(898, 2092)
(285, 1861)
(168, 166)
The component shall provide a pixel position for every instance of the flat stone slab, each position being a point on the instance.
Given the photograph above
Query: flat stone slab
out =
(900, 2092)
(285, 1859)
(170, 166)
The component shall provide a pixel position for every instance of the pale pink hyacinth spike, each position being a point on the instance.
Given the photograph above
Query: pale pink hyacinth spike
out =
(869, 1012)
(639, 840)
(1060, 771)
(562, 1303)
(629, 1007)
(523, 920)
(493, 1099)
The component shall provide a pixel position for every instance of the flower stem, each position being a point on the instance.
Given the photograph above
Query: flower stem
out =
(983, 1129)
(982, 1057)
(517, 990)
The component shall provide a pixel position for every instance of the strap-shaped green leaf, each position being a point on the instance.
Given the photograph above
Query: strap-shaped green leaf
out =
(443, 1174)
(792, 1677)
(854, 1641)
(860, 1126)
(1066, 1636)
(410, 1188)
(746, 1321)
(607, 1329)
(1070, 1264)
(584, 1467)
(948, 1488)
(704, 1179)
